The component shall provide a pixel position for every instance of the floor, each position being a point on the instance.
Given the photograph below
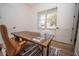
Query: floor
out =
(65, 49)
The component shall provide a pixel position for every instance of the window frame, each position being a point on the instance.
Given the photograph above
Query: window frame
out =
(46, 12)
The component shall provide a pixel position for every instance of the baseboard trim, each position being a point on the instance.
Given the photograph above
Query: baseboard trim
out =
(62, 42)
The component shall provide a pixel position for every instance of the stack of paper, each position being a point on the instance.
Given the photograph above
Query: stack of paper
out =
(38, 39)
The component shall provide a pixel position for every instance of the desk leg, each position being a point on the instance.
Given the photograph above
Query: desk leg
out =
(48, 50)
(42, 51)
(45, 49)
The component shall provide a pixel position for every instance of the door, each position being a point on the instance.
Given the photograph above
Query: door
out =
(65, 23)
(75, 25)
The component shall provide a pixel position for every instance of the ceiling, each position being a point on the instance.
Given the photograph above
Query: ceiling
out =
(31, 4)
(28, 4)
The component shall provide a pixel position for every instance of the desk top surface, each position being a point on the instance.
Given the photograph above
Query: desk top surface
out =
(29, 36)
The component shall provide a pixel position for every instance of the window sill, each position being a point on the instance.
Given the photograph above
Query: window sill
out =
(53, 28)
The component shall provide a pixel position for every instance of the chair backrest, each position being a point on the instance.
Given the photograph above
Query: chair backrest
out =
(5, 37)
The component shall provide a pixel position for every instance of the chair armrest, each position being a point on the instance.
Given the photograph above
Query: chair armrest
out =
(23, 42)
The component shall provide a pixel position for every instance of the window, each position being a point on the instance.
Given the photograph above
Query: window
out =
(47, 19)
(42, 18)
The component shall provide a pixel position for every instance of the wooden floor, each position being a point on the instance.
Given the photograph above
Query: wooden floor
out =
(1, 53)
(66, 49)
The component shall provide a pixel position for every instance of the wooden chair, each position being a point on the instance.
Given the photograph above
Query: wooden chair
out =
(12, 47)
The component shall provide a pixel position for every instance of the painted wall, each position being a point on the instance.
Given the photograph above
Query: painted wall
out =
(77, 44)
(16, 15)
(76, 52)
(1, 41)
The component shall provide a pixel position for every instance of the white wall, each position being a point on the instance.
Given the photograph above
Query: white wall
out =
(76, 51)
(77, 44)
(16, 15)
(0, 24)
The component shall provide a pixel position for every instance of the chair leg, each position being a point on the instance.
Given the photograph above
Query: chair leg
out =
(6, 55)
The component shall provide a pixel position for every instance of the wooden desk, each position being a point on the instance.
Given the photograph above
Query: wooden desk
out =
(28, 36)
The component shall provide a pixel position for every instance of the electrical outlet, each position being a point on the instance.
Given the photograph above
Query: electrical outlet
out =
(71, 40)
(14, 27)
